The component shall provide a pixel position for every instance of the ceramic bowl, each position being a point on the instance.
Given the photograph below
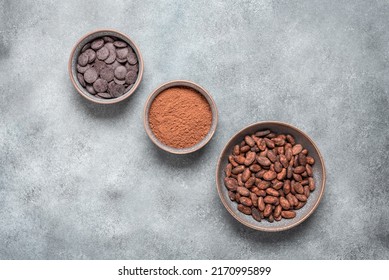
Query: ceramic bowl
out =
(73, 62)
(319, 176)
(200, 90)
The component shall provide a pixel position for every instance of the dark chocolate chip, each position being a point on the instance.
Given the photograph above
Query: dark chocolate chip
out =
(117, 90)
(82, 69)
(102, 53)
(107, 74)
(110, 46)
(112, 56)
(122, 53)
(107, 39)
(99, 65)
(131, 77)
(130, 67)
(124, 60)
(100, 85)
(120, 72)
(120, 44)
(120, 82)
(85, 47)
(91, 55)
(131, 57)
(104, 95)
(80, 78)
(97, 44)
(91, 75)
(90, 89)
(83, 59)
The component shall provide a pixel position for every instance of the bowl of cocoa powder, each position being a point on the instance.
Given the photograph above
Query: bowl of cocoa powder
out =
(270, 176)
(180, 117)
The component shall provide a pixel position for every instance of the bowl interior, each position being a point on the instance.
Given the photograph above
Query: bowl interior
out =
(318, 175)
(201, 91)
(73, 63)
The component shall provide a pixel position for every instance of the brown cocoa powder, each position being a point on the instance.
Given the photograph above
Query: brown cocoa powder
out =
(180, 117)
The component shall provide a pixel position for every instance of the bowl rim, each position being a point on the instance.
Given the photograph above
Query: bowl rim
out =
(259, 227)
(200, 90)
(101, 100)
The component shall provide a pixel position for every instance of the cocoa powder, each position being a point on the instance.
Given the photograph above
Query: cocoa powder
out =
(180, 117)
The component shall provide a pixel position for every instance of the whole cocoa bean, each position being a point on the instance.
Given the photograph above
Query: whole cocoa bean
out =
(250, 182)
(272, 192)
(279, 218)
(281, 176)
(289, 172)
(284, 203)
(307, 192)
(304, 151)
(262, 145)
(278, 141)
(269, 143)
(277, 167)
(310, 160)
(290, 139)
(297, 149)
(246, 201)
(299, 205)
(245, 149)
(288, 214)
(284, 161)
(231, 195)
(263, 161)
(270, 219)
(249, 141)
(231, 183)
(263, 185)
(271, 135)
(286, 187)
(228, 170)
(302, 159)
(236, 150)
(301, 197)
(254, 199)
(277, 185)
(243, 191)
(309, 170)
(267, 211)
(277, 211)
(255, 168)
(299, 169)
(237, 197)
(261, 204)
(240, 159)
(255, 213)
(246, 175)
(297, 177)
(271, 155)
(298, 188)
(262, 133)
(304, 182)
(311, 184)
(238, 169)
(239, 179)
(250, 157)
(260, 173)
(271, 199)
(244, 209)
(232, 161)
(288, 154)
(280, 150)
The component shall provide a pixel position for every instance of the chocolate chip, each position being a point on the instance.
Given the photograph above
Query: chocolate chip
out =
(100, 85)
(112, 56)
(108, 39)
(122, 53)
(111, 85)
(97, 44)
(104, 95)
(90, 75)
(130, 67)
(102, 53)
(121, 60)
(120, 44)
(82, 69)
(110, 46)
(85, 47)
(107, 74)
(115, 65)
(99, 65)
(83, 59)
(90, 89)
(117, 90)
(91, 55)
(80, 78)
(131, 57)
(120, 82)
(131, 77)
(120, 72)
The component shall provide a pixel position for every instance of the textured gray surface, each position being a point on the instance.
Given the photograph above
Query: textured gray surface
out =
(81, 181)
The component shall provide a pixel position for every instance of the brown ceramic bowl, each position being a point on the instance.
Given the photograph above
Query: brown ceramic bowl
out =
(73, 62)
(200, 90)
(318, 174)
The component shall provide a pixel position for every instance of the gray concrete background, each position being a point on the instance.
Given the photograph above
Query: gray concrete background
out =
(82, 181)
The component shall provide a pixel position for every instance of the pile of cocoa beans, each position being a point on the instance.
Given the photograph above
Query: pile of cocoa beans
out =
(269, 175)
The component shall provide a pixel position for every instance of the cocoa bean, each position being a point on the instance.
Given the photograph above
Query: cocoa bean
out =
(263, 185)
(269, 143)
(302, 159)
(301, 197)
(245, 149)
(260, 173)
(238, 169)
(254, 199)
(250, 182)
(244, 209)
(286, 187)
(262, 133)
(299, 169)
(263, 161)
(249, 141)
(277, 167)
(255, 213)
(271, 156)
(288, 214)
(278, 141)
(255, 168)
(282, 175)
(277, 185)
(228, 170)
(271, 191)
(239, 159)
(231, 184)
(309, 170)
(298, 188)
(311, 184)
(231, 195)
(269, 175)
(297, 149)
(236, 150)
(268, 210)
(289, 172)
(288, 154)
(243, 191)
(261, 204)
(239, 179)
(232, 161)
(246, 175)
(271, 199)
(284, 203)
(284, 161)
(277, 211)
(297, 177)
(290, 139)
(246, 201)
(250, 157)
(310, 160)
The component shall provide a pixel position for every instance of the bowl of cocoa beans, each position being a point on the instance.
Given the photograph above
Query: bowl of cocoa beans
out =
(105, 66)
(270, 176)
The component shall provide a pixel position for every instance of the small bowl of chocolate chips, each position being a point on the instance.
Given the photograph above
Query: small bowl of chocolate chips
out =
(105, 66)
